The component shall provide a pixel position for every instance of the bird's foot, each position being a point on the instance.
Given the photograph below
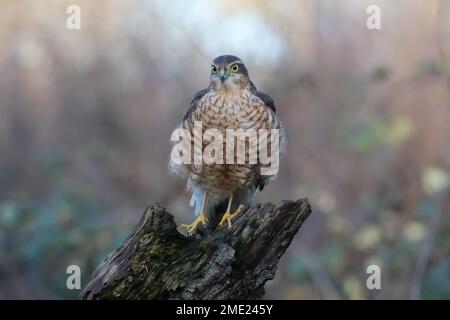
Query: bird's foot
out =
(191, 228)
(228, 216)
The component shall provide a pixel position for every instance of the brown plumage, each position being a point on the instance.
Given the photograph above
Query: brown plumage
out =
(230, 102)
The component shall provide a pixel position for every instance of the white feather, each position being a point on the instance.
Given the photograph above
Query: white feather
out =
(196, 199)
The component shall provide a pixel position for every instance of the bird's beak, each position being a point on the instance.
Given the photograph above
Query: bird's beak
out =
(222, 75)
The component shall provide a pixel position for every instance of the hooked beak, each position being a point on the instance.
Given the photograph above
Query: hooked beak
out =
(222, 76)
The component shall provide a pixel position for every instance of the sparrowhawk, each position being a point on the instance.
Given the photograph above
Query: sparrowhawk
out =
(231, 101)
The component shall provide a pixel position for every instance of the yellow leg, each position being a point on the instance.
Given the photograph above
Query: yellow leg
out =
(202, 218)
(228, 216)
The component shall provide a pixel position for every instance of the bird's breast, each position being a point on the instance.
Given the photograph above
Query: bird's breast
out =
(231, 111)
(222, 112)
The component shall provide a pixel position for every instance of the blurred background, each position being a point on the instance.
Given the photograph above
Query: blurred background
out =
(86, 117)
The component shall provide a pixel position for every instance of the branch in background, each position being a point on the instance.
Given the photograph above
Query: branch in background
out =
(425, 253)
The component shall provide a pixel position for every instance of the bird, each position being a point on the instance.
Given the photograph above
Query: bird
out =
(231, 101)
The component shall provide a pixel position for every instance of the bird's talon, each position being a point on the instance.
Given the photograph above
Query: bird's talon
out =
(191, 228)
(228, 217)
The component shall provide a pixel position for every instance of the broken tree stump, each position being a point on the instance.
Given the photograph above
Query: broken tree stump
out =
(158, 262)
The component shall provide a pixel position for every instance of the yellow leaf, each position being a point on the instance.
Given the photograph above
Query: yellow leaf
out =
(398, 130)
(414, 231)
(368, 237)
(435, 180)
(353, 288)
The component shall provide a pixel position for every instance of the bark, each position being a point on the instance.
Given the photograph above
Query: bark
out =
(158, 262)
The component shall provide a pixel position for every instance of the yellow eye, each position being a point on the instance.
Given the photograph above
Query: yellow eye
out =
(234, 68)
(213, 69)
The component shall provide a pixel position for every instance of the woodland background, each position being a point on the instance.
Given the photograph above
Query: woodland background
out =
(86, 117)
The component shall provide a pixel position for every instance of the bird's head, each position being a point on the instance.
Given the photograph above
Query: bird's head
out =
(228, 73)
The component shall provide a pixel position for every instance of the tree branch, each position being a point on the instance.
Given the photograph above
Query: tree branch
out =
(157, 262)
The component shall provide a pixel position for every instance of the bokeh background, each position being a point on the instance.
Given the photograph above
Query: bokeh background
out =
(86, 117)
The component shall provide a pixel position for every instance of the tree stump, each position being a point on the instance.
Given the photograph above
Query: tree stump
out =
(158, 262)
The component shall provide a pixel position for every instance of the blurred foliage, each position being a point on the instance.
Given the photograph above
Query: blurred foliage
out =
(365, 136)
(43, 239)
(437, 281)
(86, 117)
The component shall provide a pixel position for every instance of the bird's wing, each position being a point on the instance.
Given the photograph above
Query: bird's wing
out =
(194, 102)
(175, 167)
(270, 104)
(268, 101)
(197, 192)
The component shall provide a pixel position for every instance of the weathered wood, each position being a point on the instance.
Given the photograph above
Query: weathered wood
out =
(158, 262)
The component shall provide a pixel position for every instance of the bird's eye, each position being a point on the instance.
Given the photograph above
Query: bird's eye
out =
(213, 69)
(234, 68)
